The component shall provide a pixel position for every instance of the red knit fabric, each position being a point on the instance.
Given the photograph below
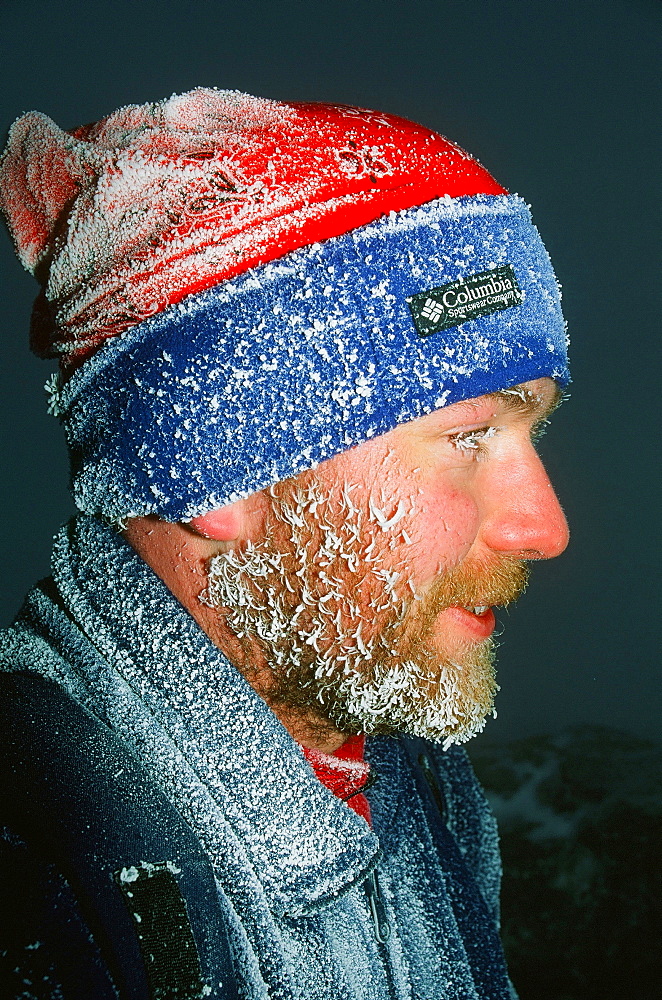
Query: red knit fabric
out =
(344, 773)
(171, 198)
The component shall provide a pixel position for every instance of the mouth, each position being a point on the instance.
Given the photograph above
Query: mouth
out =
(475, 620)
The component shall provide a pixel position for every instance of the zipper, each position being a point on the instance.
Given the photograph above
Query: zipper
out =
(377, 908)
(381, 926)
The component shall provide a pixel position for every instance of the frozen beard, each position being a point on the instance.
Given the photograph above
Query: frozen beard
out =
(348, 641)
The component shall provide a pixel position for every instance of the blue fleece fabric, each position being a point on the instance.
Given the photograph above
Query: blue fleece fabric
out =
(291, 858)
(241, 386)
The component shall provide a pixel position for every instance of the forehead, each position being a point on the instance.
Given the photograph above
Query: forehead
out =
(530, 402)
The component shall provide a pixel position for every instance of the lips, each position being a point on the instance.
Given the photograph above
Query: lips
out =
(479, 620)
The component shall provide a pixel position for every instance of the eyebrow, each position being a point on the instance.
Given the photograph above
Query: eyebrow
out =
(519, 399)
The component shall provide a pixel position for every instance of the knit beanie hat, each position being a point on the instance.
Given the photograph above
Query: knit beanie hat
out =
(238, 289)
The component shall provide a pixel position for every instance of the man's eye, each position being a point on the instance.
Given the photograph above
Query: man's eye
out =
(472, 442)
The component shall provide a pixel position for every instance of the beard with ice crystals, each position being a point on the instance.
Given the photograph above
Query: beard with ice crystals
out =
(327, 600)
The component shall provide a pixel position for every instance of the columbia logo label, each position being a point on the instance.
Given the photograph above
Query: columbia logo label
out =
(465, 299)
(432, 310)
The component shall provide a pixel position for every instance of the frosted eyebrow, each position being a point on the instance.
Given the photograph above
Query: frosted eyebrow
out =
(519, 399)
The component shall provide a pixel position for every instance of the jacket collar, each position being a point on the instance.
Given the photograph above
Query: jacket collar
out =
(229, 750)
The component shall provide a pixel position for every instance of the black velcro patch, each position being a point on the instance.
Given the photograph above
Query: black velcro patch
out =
(155, 901)
(465, 299)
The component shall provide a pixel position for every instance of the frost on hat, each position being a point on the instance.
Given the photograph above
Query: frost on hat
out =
(242, 288)
(122, 218)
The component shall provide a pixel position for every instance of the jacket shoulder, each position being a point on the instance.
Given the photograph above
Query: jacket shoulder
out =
(86, 811)
(42, 928)
(29, 643)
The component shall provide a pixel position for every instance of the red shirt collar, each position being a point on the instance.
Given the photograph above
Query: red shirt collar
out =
(345, 773)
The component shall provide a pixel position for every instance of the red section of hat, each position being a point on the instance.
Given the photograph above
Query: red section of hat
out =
(172, 198)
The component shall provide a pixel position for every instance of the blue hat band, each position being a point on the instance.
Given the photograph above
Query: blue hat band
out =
(265, 375)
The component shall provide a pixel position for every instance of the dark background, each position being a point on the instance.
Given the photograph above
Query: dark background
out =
(561, 102)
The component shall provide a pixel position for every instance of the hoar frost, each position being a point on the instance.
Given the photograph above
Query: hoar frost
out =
(329, 604)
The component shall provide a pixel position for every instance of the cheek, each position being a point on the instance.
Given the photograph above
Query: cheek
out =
(443, 528)
(440, 521)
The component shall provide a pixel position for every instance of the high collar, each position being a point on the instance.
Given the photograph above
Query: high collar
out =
(233, 758)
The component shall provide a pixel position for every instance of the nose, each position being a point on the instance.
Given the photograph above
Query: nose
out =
(523, 517)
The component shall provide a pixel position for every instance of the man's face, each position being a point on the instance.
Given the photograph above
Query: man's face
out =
(370, 595)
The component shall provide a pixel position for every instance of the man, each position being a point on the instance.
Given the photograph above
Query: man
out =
(304, 350)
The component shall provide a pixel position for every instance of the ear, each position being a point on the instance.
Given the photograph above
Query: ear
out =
(222, 525)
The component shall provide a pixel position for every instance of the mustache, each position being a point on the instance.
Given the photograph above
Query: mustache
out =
(488, 581)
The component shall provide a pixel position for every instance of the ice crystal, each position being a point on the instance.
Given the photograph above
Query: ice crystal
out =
(289, 858)
(330, 604)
